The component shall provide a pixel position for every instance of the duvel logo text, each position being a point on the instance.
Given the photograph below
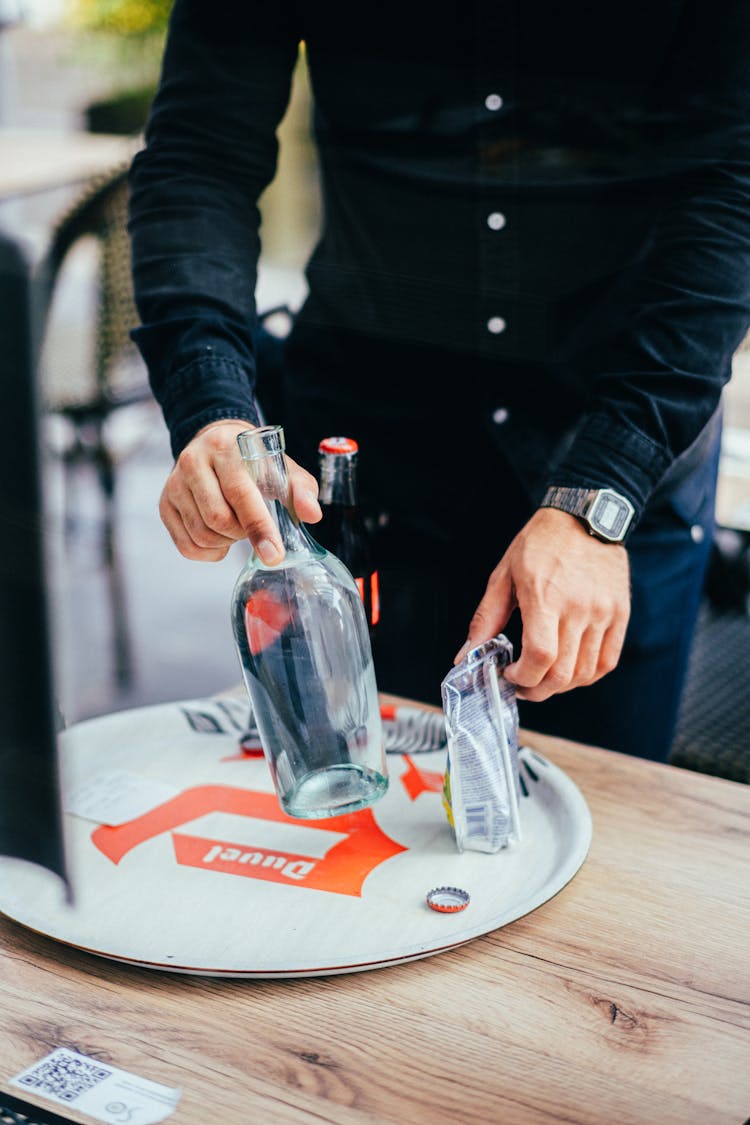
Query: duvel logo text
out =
(342, 870)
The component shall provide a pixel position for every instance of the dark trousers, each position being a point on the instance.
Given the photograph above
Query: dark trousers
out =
(444, 504)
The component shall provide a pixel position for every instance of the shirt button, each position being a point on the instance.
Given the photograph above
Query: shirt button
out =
(496, 325)
(697, 534)
(496, 220)
(500, 415)
(493, 102)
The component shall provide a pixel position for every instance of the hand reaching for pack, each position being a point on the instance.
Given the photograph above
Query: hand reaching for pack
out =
(573, 593)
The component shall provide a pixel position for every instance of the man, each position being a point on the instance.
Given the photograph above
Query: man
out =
(533, 272)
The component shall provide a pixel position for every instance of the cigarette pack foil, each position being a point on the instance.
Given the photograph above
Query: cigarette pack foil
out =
(481, 787)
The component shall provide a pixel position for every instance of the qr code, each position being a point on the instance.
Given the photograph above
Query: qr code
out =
(65, 1074)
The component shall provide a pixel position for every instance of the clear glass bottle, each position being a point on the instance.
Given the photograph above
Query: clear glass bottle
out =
(303, 644)
(342, 530)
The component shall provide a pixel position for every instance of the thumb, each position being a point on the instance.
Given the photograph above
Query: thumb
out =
(492, 614)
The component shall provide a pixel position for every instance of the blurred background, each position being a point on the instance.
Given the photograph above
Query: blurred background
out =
(134, 622)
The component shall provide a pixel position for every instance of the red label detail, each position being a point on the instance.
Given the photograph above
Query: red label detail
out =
(416, 780)
(254, 862)
(342, 870)
(375, 594)
(266, 618)
(244, 755)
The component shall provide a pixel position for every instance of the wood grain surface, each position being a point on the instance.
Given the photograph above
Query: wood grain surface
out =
(622, 999)
(34, 160)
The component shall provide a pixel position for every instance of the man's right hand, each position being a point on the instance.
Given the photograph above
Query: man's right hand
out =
(210, 501)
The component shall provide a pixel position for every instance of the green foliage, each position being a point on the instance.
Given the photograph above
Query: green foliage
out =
(124, 112)
(123, 39)
(130, 18)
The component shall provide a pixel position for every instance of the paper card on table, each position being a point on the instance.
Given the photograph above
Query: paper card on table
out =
(116, 796)
(98, 1089)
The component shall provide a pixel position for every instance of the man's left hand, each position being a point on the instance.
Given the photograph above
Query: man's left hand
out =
(573, 593)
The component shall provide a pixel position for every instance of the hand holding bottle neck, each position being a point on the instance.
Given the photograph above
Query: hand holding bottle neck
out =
(292, 532)
(263, 453)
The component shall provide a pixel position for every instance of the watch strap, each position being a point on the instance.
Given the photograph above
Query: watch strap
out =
(589, 505)
(576, 501)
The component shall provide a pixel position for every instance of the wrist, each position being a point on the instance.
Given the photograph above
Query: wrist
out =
(602, 512)
(239, 424)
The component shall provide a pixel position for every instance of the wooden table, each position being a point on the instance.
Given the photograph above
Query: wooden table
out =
(41, 173)
(624, 998)
(35, 160)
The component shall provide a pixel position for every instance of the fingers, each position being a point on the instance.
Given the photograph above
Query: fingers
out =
(565, 661)
(588, 667)
(207, 516)
(611, 649)
(304, 490)
(251, 514)
(579, 654)
(570, 652)
(549, 657)
(492, 613)
(573, 593)
(210, 501)
(186, 545)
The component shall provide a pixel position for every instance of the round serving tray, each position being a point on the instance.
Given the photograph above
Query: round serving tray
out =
(215, 879)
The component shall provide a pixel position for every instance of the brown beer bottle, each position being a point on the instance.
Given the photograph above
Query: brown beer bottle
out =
(342, 530)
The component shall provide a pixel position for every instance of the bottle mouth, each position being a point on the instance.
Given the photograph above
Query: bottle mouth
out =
(266, 441)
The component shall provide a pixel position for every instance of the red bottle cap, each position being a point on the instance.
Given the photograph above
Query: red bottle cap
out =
(338, 445)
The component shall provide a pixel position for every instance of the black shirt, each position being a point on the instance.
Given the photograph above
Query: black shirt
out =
(555, 188)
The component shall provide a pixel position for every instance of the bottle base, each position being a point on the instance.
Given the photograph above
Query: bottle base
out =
(335, 791)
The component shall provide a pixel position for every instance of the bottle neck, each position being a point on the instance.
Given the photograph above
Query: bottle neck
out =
(265, 461)
(338, 479)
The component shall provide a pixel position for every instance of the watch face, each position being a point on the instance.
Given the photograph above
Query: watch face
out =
(610, 515)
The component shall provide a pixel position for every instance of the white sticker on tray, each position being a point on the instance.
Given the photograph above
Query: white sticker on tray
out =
(103, 1091)
(116, 796)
